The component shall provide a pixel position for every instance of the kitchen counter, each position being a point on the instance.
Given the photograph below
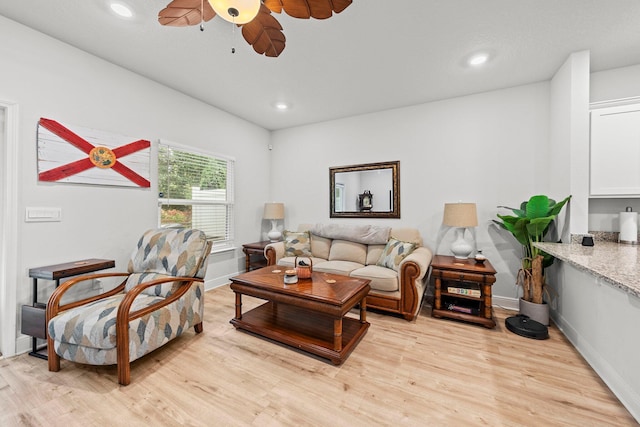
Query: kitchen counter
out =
(615, 263)
(597, 307)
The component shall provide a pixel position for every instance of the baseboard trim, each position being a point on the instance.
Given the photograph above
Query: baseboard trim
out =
(23, 344)
(216, 282)
(506, 303)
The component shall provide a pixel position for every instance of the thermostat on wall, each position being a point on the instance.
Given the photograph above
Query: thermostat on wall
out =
(43, 215)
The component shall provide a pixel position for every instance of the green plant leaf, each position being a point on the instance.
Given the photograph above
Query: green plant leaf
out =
(555, 210)
(507, 220)
(520, 213)
(520, 231)
(537, 207)
(537, 227)
(547, 259)
(523, 207)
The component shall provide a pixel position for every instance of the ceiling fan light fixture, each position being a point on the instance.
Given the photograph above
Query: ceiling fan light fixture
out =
(236, 11)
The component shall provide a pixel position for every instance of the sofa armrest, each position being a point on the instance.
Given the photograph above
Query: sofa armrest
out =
(273, 252)
(422, 257)
(411, 276)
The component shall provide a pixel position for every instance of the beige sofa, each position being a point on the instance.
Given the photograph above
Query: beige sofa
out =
(356, 251)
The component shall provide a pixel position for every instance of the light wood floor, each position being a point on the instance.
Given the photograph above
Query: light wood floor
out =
(428, 372)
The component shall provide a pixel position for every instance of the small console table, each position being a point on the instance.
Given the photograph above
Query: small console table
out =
(463, 289)
(34, 321)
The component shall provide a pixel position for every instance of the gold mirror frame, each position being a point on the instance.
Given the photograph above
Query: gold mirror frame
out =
(394, 189)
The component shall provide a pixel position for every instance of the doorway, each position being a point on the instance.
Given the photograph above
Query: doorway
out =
(8, 226)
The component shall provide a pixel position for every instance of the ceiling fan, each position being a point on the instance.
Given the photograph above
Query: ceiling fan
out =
(259, 28)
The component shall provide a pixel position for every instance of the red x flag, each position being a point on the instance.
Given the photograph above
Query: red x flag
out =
(98, 156)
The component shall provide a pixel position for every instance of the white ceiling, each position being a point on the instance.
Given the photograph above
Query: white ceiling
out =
(375, 55)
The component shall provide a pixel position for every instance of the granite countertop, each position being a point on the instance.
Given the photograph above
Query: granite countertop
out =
(616, 263)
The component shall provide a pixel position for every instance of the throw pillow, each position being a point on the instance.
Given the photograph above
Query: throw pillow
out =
(297, 243)
(395, 251)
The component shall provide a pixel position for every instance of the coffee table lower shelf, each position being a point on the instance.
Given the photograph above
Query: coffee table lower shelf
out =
(303, 329)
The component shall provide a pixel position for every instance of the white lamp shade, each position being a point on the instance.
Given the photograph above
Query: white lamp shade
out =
(246, 9)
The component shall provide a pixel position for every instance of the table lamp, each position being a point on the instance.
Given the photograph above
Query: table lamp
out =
(461, 216)
(274, 212)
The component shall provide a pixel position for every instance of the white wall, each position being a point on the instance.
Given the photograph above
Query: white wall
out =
(569, 152)
(619, 83)
(50, 79)
(488, 148)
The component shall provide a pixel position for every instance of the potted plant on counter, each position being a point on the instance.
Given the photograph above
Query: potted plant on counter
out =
(529, 224)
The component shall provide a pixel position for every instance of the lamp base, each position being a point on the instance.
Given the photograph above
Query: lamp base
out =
(274, 235)
(460, 248)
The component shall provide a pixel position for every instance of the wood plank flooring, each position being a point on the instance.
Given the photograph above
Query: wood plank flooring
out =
(427, 372)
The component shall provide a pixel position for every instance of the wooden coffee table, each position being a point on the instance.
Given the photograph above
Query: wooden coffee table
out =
(309, 315)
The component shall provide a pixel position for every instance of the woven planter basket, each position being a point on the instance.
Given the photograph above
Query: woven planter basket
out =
(304, 271)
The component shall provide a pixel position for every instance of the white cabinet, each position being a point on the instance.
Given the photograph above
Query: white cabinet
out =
(615, 151)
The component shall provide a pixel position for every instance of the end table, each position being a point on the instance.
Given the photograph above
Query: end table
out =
(34, 316)
(256, 249)
(463, 289)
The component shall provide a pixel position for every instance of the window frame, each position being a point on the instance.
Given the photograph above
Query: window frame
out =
(220, 245)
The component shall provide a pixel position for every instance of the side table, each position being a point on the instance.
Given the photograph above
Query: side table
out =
(34, 316)
(256, 249)
(463, 289)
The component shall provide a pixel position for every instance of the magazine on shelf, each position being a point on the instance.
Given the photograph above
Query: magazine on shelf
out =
(462, 309)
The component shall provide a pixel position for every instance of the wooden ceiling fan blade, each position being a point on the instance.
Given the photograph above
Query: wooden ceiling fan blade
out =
(271, 43)
(305, 9)
(273, 5)
(183, 13)
(264, 33)
(340, 5)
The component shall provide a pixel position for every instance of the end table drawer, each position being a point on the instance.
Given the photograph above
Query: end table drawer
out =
(464, 277)
(34, 321)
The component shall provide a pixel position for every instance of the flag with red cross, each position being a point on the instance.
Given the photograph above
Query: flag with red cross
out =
(88, 156)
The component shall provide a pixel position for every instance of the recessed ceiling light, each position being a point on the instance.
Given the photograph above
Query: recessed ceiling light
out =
(121, 9)
(478, 59)
(281, 106)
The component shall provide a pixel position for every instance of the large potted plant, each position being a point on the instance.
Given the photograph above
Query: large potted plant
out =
(529, 224)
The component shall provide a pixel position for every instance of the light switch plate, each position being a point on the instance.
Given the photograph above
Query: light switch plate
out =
(43, 214)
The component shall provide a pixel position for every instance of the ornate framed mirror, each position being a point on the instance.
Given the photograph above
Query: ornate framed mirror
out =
(365, 191)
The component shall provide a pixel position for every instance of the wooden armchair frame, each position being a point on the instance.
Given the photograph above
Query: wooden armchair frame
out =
(124, 315)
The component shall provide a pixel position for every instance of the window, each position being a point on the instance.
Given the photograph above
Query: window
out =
(339, 203)
(196, 191)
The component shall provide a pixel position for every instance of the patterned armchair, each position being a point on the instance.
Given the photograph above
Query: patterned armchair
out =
(161, 296)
